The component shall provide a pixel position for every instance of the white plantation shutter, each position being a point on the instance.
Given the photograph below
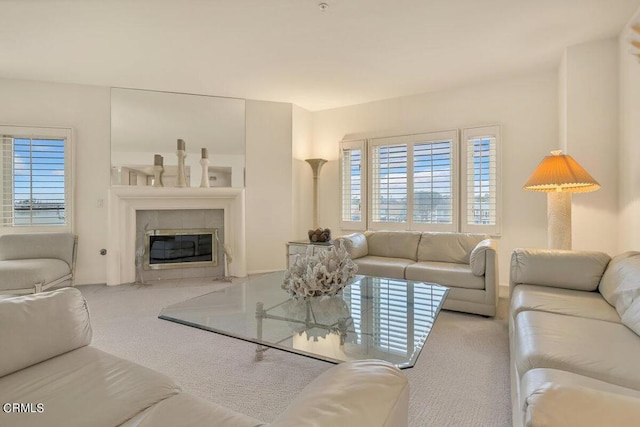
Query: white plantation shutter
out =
(353, 183)
(414, 182)
(481, 181)
(434, 182)
(389, 185)
(34, 186)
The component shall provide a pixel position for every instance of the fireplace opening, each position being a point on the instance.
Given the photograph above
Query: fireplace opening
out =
(180, 248)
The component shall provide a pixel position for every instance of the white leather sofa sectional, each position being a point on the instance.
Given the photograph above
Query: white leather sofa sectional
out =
(31, 263)
(48, 365)
(574, 329)
(465, 263)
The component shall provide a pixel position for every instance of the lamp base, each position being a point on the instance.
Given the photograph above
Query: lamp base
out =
(559, 220)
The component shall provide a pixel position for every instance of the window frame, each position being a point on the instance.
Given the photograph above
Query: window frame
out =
(410, 141)
(467, 134)
(44, 132)
(354, 144)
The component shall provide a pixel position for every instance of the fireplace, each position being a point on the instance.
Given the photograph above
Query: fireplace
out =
(127, 201)
(180, 248)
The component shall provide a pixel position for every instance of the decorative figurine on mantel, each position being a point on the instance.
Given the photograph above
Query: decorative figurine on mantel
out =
(319, 235)
(204, 161)
(181, 179)
(158, 168)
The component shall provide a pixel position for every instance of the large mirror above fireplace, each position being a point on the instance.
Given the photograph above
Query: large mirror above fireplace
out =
(145, 123)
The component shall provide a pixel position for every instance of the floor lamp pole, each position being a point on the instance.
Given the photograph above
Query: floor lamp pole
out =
(316, 166)
(559, 220)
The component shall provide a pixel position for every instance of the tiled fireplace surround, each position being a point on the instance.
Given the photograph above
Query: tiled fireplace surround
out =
(124, 202)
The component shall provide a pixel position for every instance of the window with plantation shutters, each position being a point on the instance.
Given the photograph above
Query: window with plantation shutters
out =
(413, 182)
(353, 180)
(389, 184)
(480, 183)
(35, 177)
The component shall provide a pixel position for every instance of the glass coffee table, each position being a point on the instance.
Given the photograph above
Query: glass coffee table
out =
(372, 318)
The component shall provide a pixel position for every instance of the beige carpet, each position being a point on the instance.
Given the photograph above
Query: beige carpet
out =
(461, 378)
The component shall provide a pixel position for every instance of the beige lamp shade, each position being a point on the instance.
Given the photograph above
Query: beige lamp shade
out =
(560, 173)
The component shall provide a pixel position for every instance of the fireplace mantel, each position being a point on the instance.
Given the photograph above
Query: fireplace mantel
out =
(125, 201)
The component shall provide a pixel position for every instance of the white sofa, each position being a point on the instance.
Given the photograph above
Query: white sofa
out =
(31, 263)
(574, 329)
(47, 365)
(465, 263)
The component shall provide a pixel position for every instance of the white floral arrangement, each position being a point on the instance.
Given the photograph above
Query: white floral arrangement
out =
(316, 275)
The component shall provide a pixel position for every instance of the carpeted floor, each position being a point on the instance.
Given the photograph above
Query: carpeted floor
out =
(461, 377)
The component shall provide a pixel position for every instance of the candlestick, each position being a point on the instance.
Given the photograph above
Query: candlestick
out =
(157, 160)
(181, 179)
(205, 153)
(157, 174)
(181, 145)
(204, 181)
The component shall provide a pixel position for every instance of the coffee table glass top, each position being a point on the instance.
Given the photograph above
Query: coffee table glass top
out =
(372, 318)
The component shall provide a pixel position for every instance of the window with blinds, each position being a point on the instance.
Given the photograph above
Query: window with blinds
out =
(481, 167)
(389, 184)
(353, 180)
(432, 182)
(413, 182)
(34, 183)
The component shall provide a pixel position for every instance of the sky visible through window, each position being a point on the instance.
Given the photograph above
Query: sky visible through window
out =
(39, 181)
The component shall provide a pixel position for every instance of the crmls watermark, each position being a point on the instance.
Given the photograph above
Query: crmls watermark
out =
(21, 408)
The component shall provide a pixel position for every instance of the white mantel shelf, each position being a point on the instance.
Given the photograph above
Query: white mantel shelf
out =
(126, 200)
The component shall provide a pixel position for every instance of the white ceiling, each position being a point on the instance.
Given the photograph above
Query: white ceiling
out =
(288, 50)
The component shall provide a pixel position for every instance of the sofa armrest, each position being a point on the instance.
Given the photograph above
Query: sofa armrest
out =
(478, 257)
(363, 393)
(38, 327)
(355, 244)
(38, 245)
(578, 270)
(556, 405)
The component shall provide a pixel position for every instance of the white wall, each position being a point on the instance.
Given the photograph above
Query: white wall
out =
(589, 117)
(269, 196)
(86, 110)
(629, 150)
(527, 109)
(302, 177)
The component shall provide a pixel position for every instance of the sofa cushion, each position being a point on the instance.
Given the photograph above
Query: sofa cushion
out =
(37, 327)
(631, 317)
(445, 274)
(382, 266)
(620, 283)
(97, 388)
(355, 245)
(25, 273)
(580, 270)
(478, 257)
(393, 244)
(187, 410)
(605, 351)
(38, 245)
(562, 301)
(448, 247)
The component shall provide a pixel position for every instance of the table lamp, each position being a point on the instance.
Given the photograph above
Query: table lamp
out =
(559, 175)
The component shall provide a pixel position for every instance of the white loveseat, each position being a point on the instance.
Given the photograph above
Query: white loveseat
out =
(465, 263)
(574, 329)
(48, 366)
